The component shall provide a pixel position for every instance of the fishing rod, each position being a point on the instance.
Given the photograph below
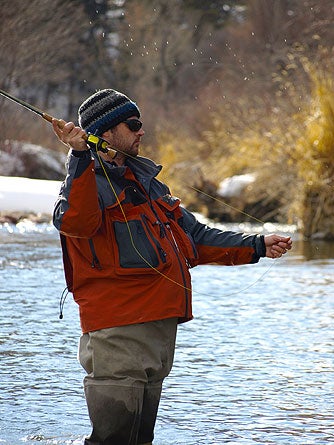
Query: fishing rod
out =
(99, 144)
(95, 142)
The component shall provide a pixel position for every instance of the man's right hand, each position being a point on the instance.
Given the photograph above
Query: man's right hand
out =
(70, 135)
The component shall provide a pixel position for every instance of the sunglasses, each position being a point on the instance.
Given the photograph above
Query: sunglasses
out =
(133, 124)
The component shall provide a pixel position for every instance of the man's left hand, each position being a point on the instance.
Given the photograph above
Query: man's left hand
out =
(276, 245)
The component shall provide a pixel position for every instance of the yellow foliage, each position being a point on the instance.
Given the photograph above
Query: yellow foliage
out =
(289, 146)
(316, 146)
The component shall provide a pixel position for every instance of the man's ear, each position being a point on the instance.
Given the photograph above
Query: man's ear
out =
(107, 135)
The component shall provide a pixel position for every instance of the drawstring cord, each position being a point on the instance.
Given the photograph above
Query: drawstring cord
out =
(62, 302)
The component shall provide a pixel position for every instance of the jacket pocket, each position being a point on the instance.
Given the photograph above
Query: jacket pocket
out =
(95, 260)
(136, 248)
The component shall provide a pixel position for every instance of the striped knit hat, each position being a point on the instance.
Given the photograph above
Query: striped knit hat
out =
(104, 110)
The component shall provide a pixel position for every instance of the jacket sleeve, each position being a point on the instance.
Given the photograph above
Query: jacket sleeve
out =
(77, 212)
(223, 247)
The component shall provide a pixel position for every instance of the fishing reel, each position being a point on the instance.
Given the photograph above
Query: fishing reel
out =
(96, 143)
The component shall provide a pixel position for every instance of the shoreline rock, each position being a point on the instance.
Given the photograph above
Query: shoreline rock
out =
(16, 217)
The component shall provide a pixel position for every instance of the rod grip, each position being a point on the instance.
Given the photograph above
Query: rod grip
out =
(60, 123)
(49, 118)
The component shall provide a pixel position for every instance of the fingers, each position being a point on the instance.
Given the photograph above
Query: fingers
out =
(287, 241)
(285, 245)
(278, 251)
(281, 247)
(57, 125)
(69, 134)
(276, 246)
(274, 253)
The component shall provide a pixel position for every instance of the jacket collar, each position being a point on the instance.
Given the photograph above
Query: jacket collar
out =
(142, 168)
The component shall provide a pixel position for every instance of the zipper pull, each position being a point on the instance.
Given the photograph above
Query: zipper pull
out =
(162, 231)
(161, 228)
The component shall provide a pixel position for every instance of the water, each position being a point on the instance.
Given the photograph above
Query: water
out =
(254, 367)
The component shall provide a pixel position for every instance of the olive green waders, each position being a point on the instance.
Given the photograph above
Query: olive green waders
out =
(125, 369)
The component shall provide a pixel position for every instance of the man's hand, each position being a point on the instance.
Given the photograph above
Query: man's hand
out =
(276, 245)
(69, 134)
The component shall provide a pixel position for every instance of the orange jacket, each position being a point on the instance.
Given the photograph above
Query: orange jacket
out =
(128, 244)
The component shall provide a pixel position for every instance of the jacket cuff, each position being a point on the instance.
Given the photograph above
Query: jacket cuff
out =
(261, 246)
(85, 154)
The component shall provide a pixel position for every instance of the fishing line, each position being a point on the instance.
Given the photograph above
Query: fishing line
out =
(197, 190)
(224, 203)
(102, 145)
(130, 232)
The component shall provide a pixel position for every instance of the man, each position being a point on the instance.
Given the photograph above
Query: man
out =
(127, 248)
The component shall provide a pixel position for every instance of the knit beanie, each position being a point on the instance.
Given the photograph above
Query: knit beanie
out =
(104, 110)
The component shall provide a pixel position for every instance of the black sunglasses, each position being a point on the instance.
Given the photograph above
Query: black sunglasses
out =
(133, 124)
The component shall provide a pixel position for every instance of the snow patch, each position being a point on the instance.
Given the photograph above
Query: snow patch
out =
(235, 185)
(19, 194)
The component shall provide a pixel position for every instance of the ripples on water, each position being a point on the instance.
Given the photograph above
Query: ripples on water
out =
(255, 366)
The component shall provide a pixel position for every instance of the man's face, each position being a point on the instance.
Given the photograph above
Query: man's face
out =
(123, 139)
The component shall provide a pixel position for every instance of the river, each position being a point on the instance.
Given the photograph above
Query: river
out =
(255, 366)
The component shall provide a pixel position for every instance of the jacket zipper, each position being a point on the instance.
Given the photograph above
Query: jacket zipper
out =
(95, 261)
(161, 251)
(191, 242)
(176, 245)
(178, 252)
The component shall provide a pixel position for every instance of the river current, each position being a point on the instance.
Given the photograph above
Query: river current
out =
(255, 366)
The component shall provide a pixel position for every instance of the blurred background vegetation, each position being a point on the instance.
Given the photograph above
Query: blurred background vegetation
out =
(225, 88)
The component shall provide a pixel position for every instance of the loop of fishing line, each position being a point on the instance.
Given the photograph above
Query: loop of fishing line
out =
(198, 191)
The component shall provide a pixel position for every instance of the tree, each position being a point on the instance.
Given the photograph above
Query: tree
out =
(53, 55)
(37, 45)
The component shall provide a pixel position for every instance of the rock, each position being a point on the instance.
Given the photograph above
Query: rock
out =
(31, 161)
